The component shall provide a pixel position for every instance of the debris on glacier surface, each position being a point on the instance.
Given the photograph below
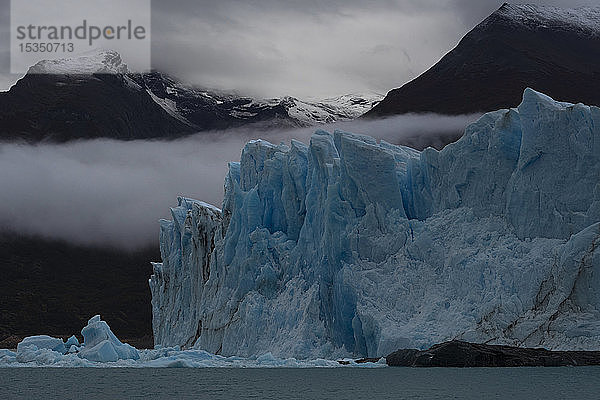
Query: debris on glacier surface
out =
(350, 247)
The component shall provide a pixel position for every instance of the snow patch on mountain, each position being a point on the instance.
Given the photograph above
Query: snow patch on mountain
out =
(201, 109)
(94, 62)
(582, 19)
(340, 108)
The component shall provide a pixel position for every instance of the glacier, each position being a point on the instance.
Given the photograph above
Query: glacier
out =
(349, 246)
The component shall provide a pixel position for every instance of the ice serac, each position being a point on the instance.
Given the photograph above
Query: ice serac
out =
(186, 246)
(350, 246)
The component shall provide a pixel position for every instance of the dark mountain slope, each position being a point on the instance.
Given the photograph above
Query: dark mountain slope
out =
(96, 96)
(551, 50)
(53, 287)
(64, 107)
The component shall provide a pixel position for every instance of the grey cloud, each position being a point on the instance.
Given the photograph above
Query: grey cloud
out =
(316, 49)
(471, 12)
(108, 192)
(308, 48)
(312, 48)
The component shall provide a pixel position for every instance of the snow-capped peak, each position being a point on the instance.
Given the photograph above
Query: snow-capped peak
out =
(98, 61)
(584, 19)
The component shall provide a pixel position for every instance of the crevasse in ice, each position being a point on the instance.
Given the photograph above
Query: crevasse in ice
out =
(349, 246)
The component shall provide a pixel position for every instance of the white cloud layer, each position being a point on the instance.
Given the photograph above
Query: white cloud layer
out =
(110, 192)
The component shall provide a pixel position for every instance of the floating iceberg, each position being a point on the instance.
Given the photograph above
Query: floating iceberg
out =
(352, 247)
(100, 344)
(101, 348)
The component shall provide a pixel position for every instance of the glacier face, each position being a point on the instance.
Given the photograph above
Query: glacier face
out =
(349, 246)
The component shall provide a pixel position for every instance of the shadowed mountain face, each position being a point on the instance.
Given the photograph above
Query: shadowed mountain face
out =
(64, 107)
(52, 287)
(209, 110)
(551, 50)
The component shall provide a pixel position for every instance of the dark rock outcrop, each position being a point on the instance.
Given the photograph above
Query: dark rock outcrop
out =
(464, 354)
(360, 361)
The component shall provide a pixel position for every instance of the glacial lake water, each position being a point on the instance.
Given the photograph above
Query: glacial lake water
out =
(314, 383)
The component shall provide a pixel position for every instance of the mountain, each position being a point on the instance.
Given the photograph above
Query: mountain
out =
(86, 97)
(349, 246)
(53, 287)
(209, 109)
(95, 96)
(553, 50)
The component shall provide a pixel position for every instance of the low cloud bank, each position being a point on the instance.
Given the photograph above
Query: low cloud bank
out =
(111, 193)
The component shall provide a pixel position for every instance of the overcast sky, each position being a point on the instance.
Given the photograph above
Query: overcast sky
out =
(306, 48)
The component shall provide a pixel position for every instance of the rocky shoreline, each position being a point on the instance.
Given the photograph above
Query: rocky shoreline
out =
(463, 354)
